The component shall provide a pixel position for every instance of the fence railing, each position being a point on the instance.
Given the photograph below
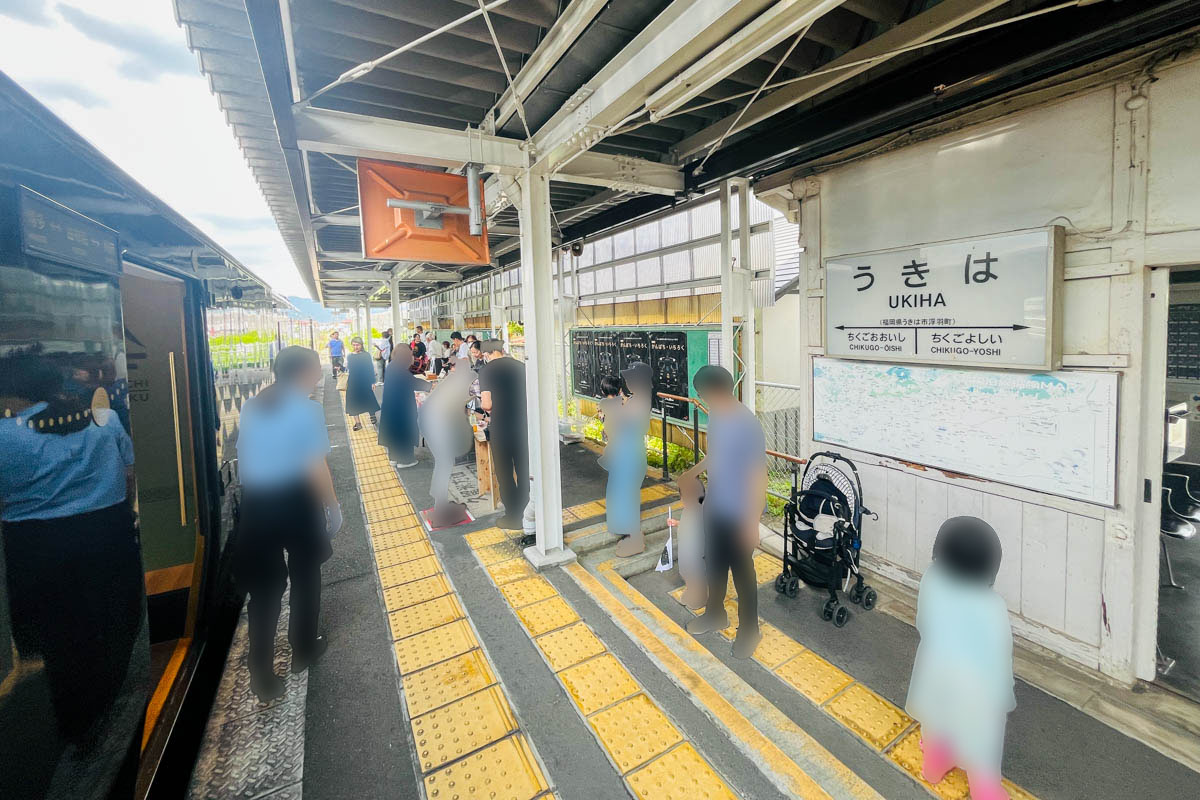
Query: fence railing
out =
(780, 409)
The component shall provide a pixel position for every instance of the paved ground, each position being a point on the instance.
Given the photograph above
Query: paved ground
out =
(455, 670)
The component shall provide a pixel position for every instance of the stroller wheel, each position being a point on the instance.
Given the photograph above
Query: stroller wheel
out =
(841, 616)
(869, 598)
(855, 594)
(781, 583)
(829, 609)
(793, 586)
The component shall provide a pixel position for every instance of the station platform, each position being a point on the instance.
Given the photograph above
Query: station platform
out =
(455, 670)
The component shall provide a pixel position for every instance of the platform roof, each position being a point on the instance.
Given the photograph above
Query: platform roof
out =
(43, 153)
(645, 90)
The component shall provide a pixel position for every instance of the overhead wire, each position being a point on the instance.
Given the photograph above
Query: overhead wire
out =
(754, 96)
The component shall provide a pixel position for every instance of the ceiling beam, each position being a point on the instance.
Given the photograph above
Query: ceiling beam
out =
(338, 220)
(943, 17)
(677, 37)
(566, 29)
(325, 131)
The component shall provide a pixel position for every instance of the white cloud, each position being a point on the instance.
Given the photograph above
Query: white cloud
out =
(122, 87)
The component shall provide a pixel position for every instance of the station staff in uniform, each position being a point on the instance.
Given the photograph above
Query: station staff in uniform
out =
(72, 555)
(288, 505)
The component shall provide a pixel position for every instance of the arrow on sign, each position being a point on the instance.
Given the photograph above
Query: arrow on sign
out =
(933, 327)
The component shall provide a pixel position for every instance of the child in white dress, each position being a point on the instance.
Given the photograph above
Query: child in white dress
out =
(962, 682)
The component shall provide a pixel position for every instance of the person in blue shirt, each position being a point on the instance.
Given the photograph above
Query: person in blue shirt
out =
(73, 559)
(398, 414)
(360, 384)
(288, 505)
(337, 352)
(736, 463)
(627, 424)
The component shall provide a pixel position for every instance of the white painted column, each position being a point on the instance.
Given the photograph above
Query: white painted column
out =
(728, 306)
(367, 327)
(743, 279)
(537, 298)
(394, 292)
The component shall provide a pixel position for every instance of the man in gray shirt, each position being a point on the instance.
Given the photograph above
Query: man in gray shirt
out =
(736, 464)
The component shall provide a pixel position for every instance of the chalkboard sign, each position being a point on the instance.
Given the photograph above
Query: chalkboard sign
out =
(634, 347)
(608, 357)
(669, 362)
(56, 233)
(1183, 342)
(583, 359)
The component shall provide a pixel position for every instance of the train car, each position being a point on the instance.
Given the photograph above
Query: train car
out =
(115, 311)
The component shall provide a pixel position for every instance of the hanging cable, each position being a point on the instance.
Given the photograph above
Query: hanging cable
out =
(354, 73)
(878, 57)
(483, 8)
(787, 54)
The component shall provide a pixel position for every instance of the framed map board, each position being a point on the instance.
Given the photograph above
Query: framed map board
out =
(1052, 432)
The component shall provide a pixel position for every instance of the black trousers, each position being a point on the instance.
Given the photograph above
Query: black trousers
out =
(287, 520)
(510, 460)
(724, 552)
(75, 588)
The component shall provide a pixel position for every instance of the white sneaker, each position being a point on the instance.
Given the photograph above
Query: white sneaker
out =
(402, 466)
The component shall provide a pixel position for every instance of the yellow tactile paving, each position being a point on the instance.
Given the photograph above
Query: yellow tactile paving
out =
(424, 616)
(514, 569)
(485, 538)
(588, 510)
(391, 556)
(681, 774)
(413, 592)
(634, 731)
(546, 616)
(869, 715)
(813, 676)
(776, 646)
(505, 770)
(657, 491)
(568, 646)
(446, 682)
(462, 727)
(428, 648)
(597, 683)
(409, 571)
(497, 552)
(399, 538)
(907, 754)
(766, 566)
(530, 590)
(568, 516)
(450, 690)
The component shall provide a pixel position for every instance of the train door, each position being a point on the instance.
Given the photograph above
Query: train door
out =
(1178, 646)
(165, 466)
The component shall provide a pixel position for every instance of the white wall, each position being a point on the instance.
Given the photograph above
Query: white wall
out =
(1080, 579)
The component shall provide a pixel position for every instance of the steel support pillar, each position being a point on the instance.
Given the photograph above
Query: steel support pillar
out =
(394, 293)
(743, 277)
(367, 327)
(537, 298)
(728, 302)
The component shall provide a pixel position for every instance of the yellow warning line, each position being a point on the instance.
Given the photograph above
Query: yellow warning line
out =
(467, 737)
(878, 722)
(642, 743)
(763, 750)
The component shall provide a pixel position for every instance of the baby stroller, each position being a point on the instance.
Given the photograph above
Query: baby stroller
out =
(823, 535)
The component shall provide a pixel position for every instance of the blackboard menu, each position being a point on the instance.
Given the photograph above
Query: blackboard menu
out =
(1183, 342)
(608, 357)
(583, 359)
(634, 347)
(669, 362)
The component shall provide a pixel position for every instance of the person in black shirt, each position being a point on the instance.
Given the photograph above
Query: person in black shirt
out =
(502, 395)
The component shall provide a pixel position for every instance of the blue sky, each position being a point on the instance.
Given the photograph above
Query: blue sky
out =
(120, 73)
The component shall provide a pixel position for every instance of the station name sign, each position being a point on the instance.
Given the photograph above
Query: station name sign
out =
(985, 301)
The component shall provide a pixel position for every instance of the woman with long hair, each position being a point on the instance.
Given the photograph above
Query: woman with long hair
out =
(627, 424)
(288, 505)
(360, 383)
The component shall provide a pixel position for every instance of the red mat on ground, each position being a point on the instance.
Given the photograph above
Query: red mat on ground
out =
(427, 515)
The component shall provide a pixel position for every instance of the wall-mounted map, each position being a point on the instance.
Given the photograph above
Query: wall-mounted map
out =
(1052, 432)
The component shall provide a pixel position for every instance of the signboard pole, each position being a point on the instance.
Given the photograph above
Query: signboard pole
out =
(745, 305)
(727, 284)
